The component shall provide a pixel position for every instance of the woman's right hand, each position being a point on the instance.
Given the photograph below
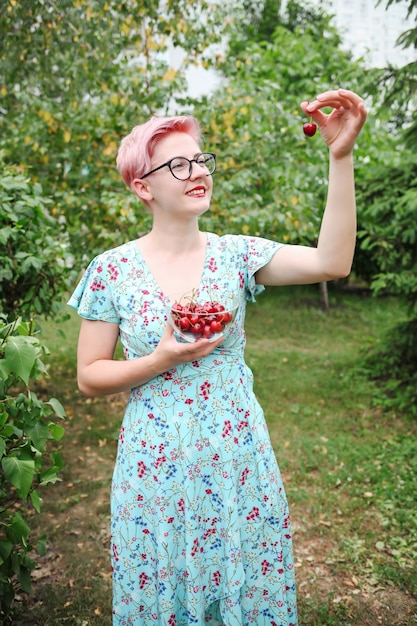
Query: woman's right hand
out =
(173, 352)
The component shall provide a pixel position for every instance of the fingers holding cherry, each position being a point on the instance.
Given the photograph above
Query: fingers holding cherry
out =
(343, 123)
(310, 127)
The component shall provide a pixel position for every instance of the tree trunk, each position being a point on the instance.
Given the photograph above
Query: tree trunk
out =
(324, 296)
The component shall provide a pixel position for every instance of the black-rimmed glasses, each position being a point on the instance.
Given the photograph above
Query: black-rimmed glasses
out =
(181, 167)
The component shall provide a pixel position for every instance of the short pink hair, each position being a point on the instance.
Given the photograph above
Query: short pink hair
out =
(136, 150)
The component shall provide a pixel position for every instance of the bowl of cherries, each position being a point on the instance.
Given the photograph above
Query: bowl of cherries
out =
(193, 318)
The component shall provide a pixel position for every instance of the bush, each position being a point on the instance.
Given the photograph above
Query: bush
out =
(33, 249)
(387, 233)
(26, 426)
(33, 277)
(388, 257)
(394, 368)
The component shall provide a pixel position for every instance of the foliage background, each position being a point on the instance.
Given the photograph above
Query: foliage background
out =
(68, 98)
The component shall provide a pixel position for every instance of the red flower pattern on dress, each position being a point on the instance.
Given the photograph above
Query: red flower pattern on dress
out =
(254, 513)
(141, 469)
(113, 271)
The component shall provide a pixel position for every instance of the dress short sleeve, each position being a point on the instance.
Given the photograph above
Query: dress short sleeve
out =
(92, 298)
(259, 252)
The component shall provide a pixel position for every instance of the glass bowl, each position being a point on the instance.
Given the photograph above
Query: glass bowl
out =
(193, 318)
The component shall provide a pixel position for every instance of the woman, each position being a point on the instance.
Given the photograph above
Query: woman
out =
(200, 523)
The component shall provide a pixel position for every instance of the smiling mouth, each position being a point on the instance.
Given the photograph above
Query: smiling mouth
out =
(197, 191)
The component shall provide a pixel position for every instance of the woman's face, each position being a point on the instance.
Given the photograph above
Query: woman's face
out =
(191, 196)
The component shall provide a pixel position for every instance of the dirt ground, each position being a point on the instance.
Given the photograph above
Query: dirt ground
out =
(368, 603)
(79, 550)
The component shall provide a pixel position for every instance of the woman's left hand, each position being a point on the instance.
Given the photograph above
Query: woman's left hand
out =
(340, 127)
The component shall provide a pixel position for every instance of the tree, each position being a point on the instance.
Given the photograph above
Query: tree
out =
(68, 96)
(271, 179)
(399, 84)
(257, 21)
(387, 235)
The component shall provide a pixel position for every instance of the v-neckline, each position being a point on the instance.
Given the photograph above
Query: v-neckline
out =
(139, 253)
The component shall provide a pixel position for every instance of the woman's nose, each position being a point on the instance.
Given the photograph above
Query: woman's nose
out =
(197, 169)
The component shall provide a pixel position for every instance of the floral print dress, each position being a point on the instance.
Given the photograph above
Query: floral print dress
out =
(199, 519)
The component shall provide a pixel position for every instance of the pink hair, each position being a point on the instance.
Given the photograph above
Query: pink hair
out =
(135, 152)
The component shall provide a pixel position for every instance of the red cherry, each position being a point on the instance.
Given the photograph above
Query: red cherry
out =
(184, 323)
(309, 129)
(207, 331)
(216, 327)
(226, 317)
(201, 320)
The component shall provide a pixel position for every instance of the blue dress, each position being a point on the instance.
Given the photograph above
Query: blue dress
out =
(200, 529)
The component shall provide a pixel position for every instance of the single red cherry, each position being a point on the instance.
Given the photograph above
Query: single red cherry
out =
(309, 129)
(226, 317)
(216, 326)
(184, 323)
(207, 332)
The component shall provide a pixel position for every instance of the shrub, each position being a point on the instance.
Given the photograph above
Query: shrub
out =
(33, 277)
(388, 253)
(27, 424)
(33, 250)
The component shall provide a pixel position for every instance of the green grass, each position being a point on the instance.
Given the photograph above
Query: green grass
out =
(349, 468)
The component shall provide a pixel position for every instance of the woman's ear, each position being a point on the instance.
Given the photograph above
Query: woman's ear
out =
(141, 189)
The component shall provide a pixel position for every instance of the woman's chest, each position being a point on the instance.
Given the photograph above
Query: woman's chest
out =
(174, 277)
(139, 285)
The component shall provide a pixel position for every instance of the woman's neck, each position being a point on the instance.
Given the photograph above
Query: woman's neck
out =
(176, 260)
(175, 240)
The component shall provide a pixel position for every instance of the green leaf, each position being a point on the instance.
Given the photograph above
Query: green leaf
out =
(25, 580)
(20, 356)
(39, 433)
(35, 498)
(50, 476)
(56, 431)
(41, 545)
(18, 531)
(4, 416)
(5, 234)
(8, 431)
(57, 460)
(5, 550)
(2, 446)
(57, 407)
(19, 473)
(4, 369)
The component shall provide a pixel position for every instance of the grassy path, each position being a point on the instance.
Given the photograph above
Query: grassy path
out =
(350, 470)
